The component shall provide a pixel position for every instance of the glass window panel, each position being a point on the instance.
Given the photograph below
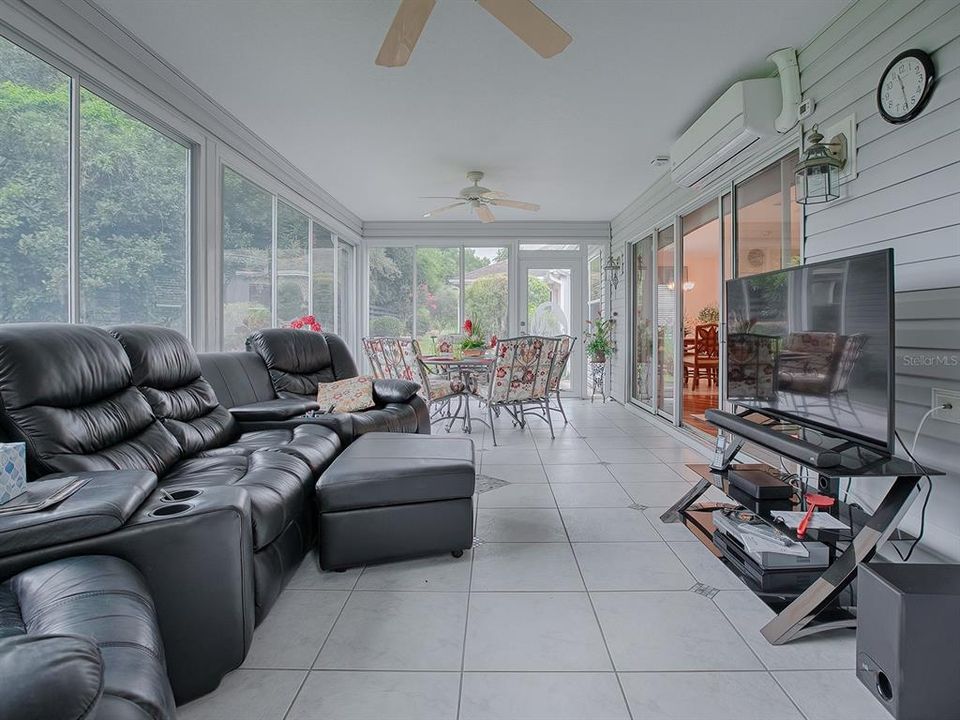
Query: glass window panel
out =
(700, 292)
(486, 295)
(548, 247)
(391, 291)
(596, 277)
(768, 220)
(133, 219)
(247, 249)
(293, 264)
(438, 294)
(323, 266)
(666, 318)
(643, 309)
(34, 187)
(345, 291)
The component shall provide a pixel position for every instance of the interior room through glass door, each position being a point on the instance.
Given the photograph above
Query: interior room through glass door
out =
(699, 290)
(666, 313)
(550, 305)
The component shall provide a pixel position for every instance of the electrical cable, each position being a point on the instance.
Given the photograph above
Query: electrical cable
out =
(926, 500)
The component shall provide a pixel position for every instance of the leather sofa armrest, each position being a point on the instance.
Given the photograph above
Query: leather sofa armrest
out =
(107, 500)
(54, 677)
(279, 409)
(393, 390)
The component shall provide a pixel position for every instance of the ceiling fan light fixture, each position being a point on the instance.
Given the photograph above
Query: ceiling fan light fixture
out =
(480, 199)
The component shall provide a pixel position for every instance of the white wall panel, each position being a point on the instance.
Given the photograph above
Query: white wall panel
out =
(907, 196)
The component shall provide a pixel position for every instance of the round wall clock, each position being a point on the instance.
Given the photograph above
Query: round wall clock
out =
(905, 86)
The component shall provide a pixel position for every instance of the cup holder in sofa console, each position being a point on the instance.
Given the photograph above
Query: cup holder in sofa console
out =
(171, 509)
(173, 496)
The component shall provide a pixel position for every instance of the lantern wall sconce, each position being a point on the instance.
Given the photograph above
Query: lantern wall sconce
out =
(612, 270)
(824, 166)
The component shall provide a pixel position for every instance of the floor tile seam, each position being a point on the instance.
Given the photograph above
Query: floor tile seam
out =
(740, 634)
(466, 617)
(787, 694)
(596, 617)
(336, 620)
(296, 695)
(407, 671)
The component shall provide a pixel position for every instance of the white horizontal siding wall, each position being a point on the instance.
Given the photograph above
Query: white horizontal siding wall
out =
(906, 196)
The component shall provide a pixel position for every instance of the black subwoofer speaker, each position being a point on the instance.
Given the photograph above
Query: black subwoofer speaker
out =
(908, 638)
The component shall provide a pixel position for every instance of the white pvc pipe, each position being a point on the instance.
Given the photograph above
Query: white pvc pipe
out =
(789, 72)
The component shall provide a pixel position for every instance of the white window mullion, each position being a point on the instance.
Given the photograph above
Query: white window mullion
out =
(310, 268)
(413, 324)
(273, 264)
(462, 314)
(335, 240)
(73, 224)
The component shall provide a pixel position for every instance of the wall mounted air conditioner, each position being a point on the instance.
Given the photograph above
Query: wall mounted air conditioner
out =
(741, 117)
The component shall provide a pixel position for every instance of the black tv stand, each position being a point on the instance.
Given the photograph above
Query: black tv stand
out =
(817, 609)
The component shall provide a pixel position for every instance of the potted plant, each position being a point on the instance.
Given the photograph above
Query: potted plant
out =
(474, 344)
(709, 315)
(307, 322)
(598, 343)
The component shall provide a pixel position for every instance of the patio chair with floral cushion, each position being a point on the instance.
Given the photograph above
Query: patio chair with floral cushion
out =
(519, 379)
(560, 362)
(446, 344)
(400, 357)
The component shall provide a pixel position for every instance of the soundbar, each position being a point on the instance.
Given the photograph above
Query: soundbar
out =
(802, 451)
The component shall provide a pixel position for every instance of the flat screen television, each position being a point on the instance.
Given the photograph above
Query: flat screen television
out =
(814, 345)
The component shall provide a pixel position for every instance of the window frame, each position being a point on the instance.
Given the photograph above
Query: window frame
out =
(80, 80)
(279, 193)
(715, 192)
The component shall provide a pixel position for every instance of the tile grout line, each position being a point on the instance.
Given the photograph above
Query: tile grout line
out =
(593, 609)
(326, 637)
(756, 654)
(466, 619)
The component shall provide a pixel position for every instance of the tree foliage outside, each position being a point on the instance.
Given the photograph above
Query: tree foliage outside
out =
(247, 240)
(437, 298)
(133, 195)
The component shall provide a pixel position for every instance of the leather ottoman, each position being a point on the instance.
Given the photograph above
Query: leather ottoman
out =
(393, 495)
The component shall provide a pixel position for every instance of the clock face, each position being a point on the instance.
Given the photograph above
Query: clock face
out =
(905, 87)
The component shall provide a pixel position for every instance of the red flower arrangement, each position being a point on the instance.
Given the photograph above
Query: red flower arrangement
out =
(468, 326)
(307, 322)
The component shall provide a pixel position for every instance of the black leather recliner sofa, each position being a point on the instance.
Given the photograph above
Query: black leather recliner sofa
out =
(130, 410)
(275, 382)
(79, 639)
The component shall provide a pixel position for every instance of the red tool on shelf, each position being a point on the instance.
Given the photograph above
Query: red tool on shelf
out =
(813, 502)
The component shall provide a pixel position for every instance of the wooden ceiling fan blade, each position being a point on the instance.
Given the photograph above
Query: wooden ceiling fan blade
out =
(483, 212)
(533, 207)
(530, 24)
(404, 32)
(494, 194)
(443, 209)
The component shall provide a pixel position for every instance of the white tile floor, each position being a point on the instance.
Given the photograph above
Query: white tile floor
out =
(576, 603)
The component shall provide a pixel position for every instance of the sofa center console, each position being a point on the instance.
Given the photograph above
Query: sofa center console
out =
(194, 547)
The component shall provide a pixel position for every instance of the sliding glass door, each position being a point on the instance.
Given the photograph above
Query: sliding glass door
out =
(699, 291)
(550, 306)
(644, 321)
(677, 328)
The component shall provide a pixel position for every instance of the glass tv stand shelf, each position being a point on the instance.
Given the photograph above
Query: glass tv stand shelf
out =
(829, 602)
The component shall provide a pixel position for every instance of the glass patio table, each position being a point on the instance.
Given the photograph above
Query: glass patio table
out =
(468, 368)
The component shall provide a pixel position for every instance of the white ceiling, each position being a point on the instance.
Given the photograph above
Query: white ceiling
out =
(575, 133)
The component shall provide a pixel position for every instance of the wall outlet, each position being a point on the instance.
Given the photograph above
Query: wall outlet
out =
(941, 396)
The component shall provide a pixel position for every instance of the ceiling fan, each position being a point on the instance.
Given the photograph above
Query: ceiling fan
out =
(480, 199)
(522, 17)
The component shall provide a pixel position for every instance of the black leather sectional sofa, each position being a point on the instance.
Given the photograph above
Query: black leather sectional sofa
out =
(201, 474)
